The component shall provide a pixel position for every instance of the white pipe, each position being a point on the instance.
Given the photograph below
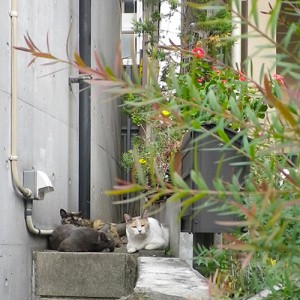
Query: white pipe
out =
(13, 156)
(29, 222)
(236, 32)
(26, 192)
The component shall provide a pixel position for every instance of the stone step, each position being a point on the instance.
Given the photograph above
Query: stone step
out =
(117, 275)
(85, 275)
(162, 278)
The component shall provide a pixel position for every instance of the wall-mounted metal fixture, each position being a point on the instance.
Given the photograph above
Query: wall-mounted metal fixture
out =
(79, 79)
(39, 184)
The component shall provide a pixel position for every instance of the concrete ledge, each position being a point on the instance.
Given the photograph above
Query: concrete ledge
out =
(161, 278)
(89, 275)
(83, 275)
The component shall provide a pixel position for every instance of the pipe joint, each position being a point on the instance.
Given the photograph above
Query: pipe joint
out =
(28, 212)
(27, 193)
(13, 157)
(13, 14)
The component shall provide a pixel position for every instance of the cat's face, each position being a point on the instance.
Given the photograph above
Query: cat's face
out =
(71, 218)
(138, 226)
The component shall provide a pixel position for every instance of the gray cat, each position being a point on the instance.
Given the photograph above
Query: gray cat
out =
(70, 238)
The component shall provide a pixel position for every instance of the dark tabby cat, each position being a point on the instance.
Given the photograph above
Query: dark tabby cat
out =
(70, 238)
(76, 219)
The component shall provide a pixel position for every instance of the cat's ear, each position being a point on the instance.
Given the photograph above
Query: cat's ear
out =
(102, 237)
(63, 213)
(144, 214)
(105, 228)
(127, 218)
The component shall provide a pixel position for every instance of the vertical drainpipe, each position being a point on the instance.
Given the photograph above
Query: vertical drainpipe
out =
(14, 104)
(84, 110)
(236, 32)
(244, 29)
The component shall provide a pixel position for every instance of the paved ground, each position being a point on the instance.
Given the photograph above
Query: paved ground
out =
(163, 278)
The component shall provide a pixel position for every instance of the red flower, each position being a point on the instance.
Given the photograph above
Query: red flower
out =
(198, 52)
(279, 79)
(224, 81)
(200, 80)
(242, 76)
(215, 69)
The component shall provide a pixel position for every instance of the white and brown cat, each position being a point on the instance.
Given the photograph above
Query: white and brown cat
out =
(144, 232)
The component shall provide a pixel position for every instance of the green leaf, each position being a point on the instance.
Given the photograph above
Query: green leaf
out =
(188, 202)
(246, 144)
(131, 200)
(214, 104)
(234, 108)
(251, 116)
(178, 181)
(153, 199)
(124, 190)
(211, 96)
(198, 180)
(223, 135)
(288, 35)
(177, 196)
(262, 73)
(254, 11)
(109, 72)
(273, 20)
(78, 60)
(237, 6)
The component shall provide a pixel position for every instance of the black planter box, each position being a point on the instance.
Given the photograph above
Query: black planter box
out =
(212, 159)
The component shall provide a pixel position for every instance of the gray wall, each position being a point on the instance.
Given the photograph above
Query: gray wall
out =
(106, 125)
(48, 129)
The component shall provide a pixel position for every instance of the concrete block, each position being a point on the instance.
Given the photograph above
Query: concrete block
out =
(68, 298)
(186, 247)
(151, 253)
(83, 275)
(162, 278)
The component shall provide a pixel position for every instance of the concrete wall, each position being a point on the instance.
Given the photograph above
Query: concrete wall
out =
(48, 130)
(106, 125)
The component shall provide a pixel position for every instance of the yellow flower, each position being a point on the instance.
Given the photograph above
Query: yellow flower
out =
(142, 161)
(271, 261)
(165, 113)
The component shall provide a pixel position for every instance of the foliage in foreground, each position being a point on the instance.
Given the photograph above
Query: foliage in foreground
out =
(268, 200)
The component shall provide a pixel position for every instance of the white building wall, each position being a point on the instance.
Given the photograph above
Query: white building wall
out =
(258, 54)
(169, 30)
(48, 130)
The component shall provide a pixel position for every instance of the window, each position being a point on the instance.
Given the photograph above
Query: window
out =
(128, 45)
(129, 6)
